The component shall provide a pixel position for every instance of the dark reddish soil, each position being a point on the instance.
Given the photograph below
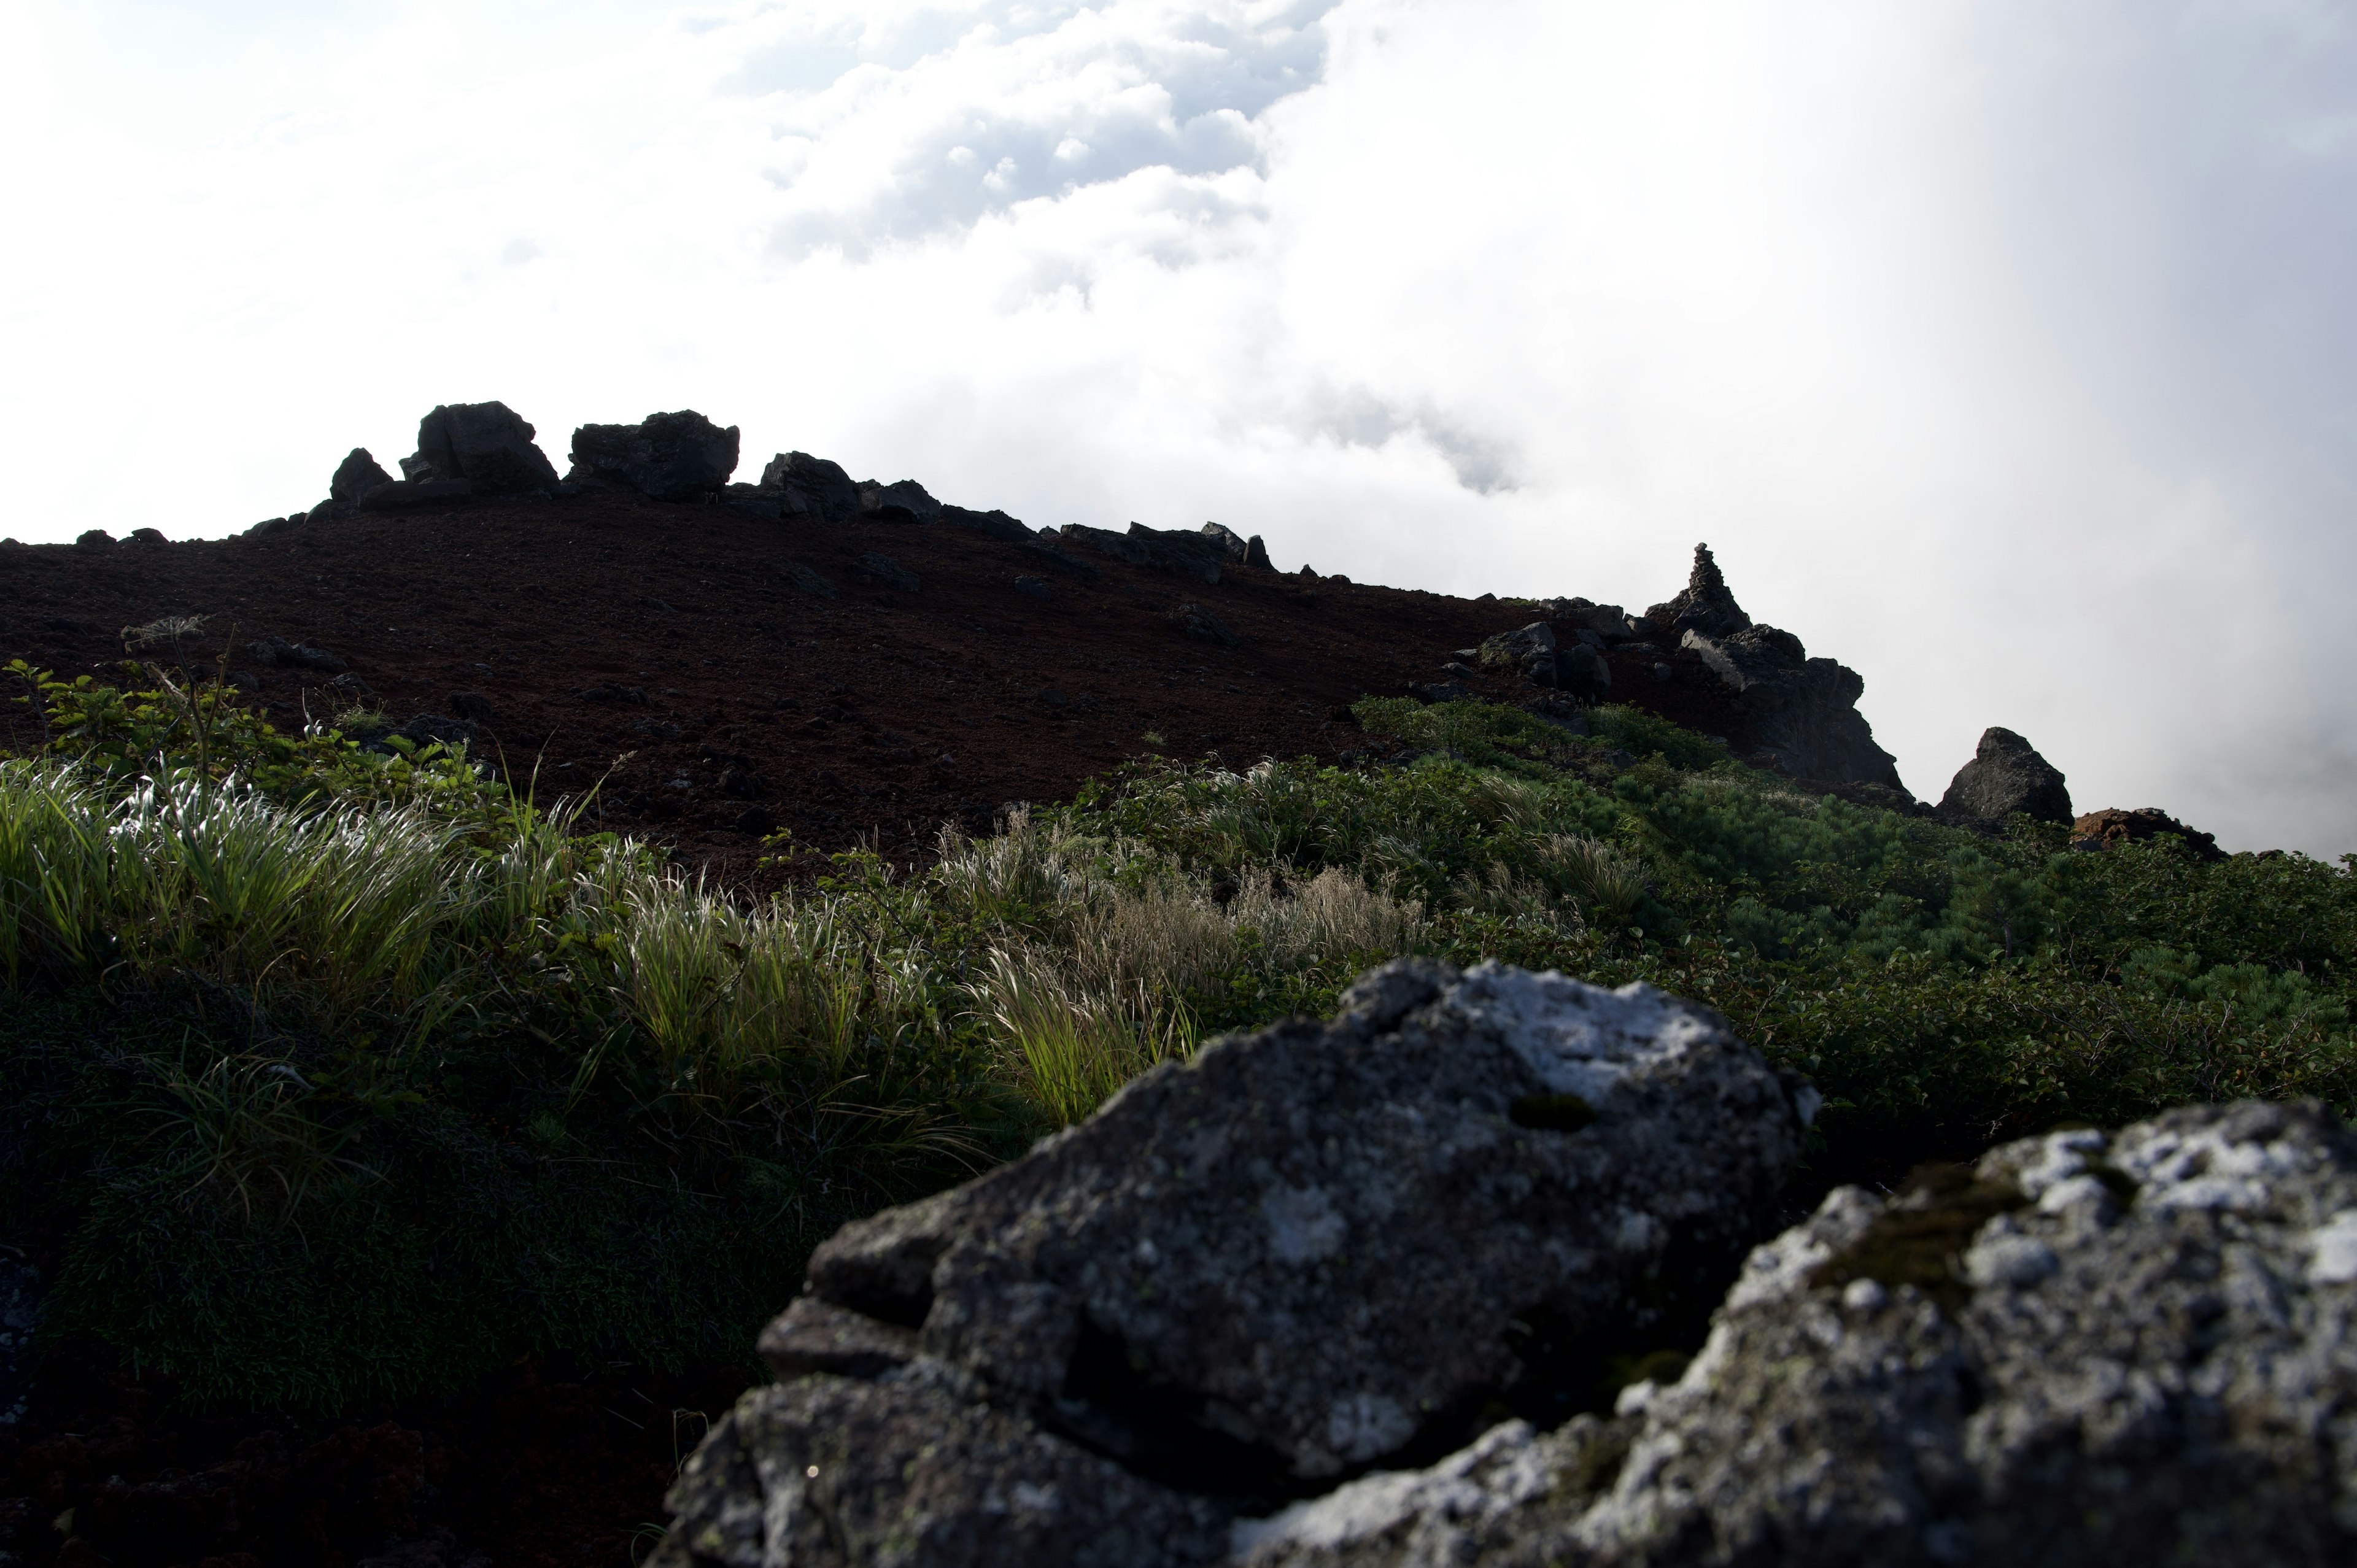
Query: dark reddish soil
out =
(876, 717)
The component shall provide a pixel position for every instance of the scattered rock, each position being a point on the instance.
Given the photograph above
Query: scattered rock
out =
(2085, 1349)
(278, 651)
(1033, 587)
(812, 487)
(245, 680)
(1202, 624)
(2006, 776)
(1609, 622)
(670, 457)
(809, 582)
(93, 538)
(1559, 710)
(269, 525)
(356, 476)
(1309, 1250)
(1459, 670)
(146, 536)
(433, 729)
(2114, 825)
(888, 572)
(1238, 550)
(656, 729)
(1704, 605)
(1440, 690)
(1530, 647)
(904, 500)
(485, 444)
(352, 689)
(472, 706)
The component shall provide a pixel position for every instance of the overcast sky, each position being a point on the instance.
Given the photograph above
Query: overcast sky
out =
(2006, 351)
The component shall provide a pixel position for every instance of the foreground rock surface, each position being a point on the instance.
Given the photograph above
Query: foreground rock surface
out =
(2087, 1350)
(1314, 1248)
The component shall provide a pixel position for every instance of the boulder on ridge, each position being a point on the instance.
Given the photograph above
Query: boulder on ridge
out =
(355, 477)
(669, 456)
(903, 500)
(1309, 1250)
(812, 487)
(2006, 776)
(2085, 1349)
(486, 444)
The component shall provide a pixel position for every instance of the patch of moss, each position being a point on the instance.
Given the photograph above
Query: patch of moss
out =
(1919, 1240)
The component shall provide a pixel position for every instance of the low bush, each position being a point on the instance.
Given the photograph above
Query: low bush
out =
(344, 1073)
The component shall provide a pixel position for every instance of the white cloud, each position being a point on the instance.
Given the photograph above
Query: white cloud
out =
(2002, 350)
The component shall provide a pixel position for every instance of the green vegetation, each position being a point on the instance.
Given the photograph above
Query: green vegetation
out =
(344, 1072)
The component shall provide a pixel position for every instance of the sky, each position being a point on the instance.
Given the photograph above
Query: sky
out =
(2006, 351)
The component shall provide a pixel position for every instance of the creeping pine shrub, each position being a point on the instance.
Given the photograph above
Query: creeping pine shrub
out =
(346, 1075)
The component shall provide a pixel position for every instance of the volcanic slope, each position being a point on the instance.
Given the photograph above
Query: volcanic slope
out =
(689, 658)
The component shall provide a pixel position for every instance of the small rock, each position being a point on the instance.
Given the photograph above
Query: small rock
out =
(245, 680)
(1516, 649)
(471, 706)
(656, 729)
(1033, 587)
(278, 651)
(1440, 690)
(888, 572)
(613, 694)
(270, 525)
(93, 538)
(809, 582)
(146, 536)
(1459, 670)
(1582, 670)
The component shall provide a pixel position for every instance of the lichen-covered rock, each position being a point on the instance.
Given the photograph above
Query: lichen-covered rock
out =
(669, 456)
(908, 1469)
(1313, 1248)
(2006, 776)
(2084, 1350)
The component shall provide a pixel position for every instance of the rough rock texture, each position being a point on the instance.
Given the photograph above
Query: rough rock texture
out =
(1239, 550)
(908, 1469)
(1805, 709)
(2006, 776)
(1203, 626)
(2114, 825)
(1531, 650)
(1706, 605)
(355, 477)
(2085, 1350)
(993, 524)
(670, 457)
(486, 444)
(1609, 622)
(1311, 1249)
(812, 487)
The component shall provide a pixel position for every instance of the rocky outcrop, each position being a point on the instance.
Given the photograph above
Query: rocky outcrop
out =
(2007, 777)
(1239, 551)
(1310, 1250)
(1804, 710)
(812, 487)
(904, 500)
(2113, 825)
(1199, 556)
(1706, 605)
(669, 456)
(486, 444)
(355, 477)
(2088, 1349)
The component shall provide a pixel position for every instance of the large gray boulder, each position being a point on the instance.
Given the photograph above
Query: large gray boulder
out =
(2006, 776)
(486, 444)
(1312, 1250)
(810, 487)
(2085, 1350)
(669, 456)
